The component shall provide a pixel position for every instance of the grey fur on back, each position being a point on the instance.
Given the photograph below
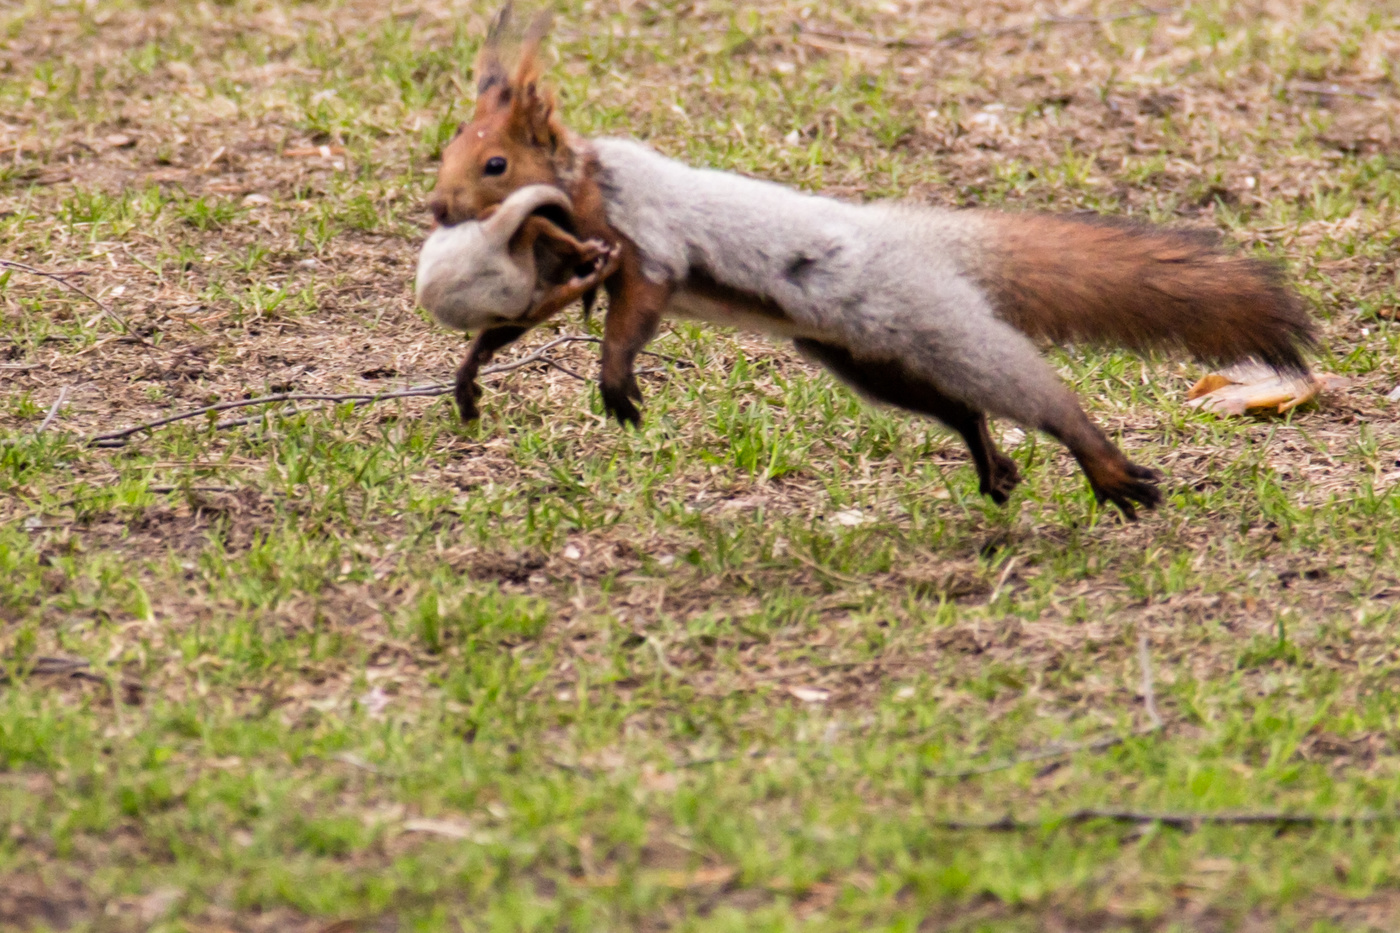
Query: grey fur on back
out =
(886, 281)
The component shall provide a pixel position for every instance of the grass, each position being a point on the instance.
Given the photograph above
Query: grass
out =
(363, 668)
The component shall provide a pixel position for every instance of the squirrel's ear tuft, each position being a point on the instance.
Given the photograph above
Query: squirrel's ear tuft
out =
(529, 69)
(491, 71)
(532, 116)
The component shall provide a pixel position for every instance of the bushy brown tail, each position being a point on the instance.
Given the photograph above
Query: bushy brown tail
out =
(1099, 280)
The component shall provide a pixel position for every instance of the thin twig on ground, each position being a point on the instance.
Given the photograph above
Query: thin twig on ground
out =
(549, 361)
(154, 490)
(1149, 696)
(660, 651)
(720, 759)
(300, 410)
(53, 411)
(1149, 700)
(1332, 90)
(62, 279)
(827, 571)
(357, 761)
(117, 438)
(970, 35)
(1186, 821)
(1001, 580)
(71, 668)
(539, 355)
(1041, 754)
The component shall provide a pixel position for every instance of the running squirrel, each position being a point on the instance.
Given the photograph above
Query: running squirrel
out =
(928, 310)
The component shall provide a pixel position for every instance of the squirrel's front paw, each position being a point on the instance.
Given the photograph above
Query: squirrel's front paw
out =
(617, 401)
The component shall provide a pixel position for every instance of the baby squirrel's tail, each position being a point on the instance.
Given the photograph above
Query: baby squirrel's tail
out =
(1098, 280)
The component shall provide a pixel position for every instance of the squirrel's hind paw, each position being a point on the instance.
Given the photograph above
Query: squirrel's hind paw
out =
(1138, 484)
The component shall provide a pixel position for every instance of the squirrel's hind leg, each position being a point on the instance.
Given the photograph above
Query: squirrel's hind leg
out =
(983, 360)
(890, 383)
(483, 346)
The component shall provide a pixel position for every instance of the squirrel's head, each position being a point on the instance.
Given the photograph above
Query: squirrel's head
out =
(514, 138)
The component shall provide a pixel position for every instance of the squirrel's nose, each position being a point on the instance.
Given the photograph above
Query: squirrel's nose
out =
(440, 210)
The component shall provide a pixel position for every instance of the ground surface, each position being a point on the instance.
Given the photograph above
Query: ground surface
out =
(362, 668)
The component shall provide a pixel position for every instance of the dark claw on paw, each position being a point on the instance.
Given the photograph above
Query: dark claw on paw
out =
(1141, 490)
(618, 404)
(1004, 479)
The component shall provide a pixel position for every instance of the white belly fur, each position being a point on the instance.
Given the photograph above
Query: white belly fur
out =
(697, 307)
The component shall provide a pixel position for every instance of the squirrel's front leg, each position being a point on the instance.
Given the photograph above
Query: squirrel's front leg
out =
(635, 305)
(483, 346)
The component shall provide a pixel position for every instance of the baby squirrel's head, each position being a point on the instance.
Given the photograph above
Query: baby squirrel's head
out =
(469, 275)
(514, 139)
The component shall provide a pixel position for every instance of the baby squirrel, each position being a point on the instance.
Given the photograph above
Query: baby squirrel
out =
(506, 272)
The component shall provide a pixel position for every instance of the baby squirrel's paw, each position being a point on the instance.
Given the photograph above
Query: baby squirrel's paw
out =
(592, 249)
(600, 261)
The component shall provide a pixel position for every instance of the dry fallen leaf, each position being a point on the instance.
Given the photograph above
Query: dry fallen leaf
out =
(155, 905)
(375, 701)
(1255, 387)
(341, 926)
(1208, 383)
(652, 779)
(720, 874)
(324, 152)
(452, 829)
(849, 518)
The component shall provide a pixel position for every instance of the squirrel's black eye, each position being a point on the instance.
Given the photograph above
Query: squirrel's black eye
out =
(495, 166)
